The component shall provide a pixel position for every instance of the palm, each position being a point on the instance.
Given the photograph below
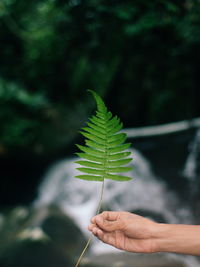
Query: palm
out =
(125, 231)
(122, 241)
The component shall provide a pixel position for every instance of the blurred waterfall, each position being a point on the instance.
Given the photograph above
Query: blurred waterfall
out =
(192, 166)
(192, 173)
(145, 194)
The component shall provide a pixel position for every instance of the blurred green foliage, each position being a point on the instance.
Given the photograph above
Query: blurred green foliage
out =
(141, 56)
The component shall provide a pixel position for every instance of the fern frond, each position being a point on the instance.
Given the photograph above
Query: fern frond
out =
(104, 152)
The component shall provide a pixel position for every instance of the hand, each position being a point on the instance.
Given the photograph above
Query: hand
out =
(125, 231)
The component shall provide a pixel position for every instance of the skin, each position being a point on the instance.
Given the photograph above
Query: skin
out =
(134, 233)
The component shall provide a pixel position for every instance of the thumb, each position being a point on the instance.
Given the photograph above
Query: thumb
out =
(108, 226)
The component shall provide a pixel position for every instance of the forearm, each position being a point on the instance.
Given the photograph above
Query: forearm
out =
(184, 239)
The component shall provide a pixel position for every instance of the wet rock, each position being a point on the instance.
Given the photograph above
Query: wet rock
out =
(63, 232)
(124, 259)
(34, 254)
(39, 237)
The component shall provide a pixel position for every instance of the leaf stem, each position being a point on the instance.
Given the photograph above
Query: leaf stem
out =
(91, 236)
(101, 197)
(83, 252)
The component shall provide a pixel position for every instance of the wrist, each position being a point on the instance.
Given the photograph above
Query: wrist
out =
(177, 238)
(162, 241)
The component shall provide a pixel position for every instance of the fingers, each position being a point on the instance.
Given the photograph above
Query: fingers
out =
(109, 215)
(106, 237)
(95, 230)
(106, 225)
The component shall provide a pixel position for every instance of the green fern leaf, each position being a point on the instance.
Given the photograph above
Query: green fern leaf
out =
(90, 177)
(119, 148)
(117, 177)
(104, 154)
(91, 151)
(90, 157)
(94, 145)
(90, 164)
(96, 121)
(119, 155)
(91, 171)
(121, 162)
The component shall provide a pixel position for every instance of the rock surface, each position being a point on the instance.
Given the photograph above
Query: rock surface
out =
(124, 259)
(38, 238)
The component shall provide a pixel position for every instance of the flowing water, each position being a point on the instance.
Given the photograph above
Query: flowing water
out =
(146, 194)
(192, 166)
(79, 198)
(192, 172)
